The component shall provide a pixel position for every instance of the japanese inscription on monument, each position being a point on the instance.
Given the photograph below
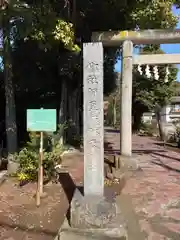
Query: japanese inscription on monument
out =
(93, 119)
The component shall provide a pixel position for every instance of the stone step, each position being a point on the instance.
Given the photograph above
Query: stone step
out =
(75, 235)
(69, 233)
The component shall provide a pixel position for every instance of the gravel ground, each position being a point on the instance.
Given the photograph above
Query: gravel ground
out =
(154, 193)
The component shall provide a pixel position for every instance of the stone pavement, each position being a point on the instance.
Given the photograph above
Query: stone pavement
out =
(153, 193)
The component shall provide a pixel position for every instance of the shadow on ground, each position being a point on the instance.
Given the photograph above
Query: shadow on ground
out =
(112, 130)
(108, 148)
(166, 156)
(137, 151)
(69, 187)
(160, 163)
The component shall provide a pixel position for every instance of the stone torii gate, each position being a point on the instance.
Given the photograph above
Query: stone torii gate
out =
(128, 38)
(92, 214)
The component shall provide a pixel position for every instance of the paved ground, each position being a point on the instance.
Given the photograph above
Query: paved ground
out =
(150, 199)
(155, 191)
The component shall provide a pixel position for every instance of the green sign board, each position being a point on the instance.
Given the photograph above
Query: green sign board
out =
(41, 120)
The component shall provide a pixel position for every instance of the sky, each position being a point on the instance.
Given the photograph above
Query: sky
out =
(167, 48)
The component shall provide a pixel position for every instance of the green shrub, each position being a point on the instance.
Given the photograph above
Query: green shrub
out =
(28, 157)
(176, 136)
(177, 131)
(147, 129)
(172, 138)
(28, 164)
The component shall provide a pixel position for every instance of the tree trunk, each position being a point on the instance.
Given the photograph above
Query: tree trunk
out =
(62, 111)
(137, 120)
(70, 111)
(10, 115)
(77, 112)
(114, 111)
(73, 110)
(160, 127)
(69, 115)
(74, 107)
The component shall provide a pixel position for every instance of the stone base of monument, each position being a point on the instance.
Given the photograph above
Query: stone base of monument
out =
(129, 163)
(93, 217)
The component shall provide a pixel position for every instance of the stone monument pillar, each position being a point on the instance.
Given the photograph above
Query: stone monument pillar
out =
(93, 119)
(92, 215)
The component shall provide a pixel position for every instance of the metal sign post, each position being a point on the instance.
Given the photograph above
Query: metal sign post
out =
(41, 120)
(39, 192)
